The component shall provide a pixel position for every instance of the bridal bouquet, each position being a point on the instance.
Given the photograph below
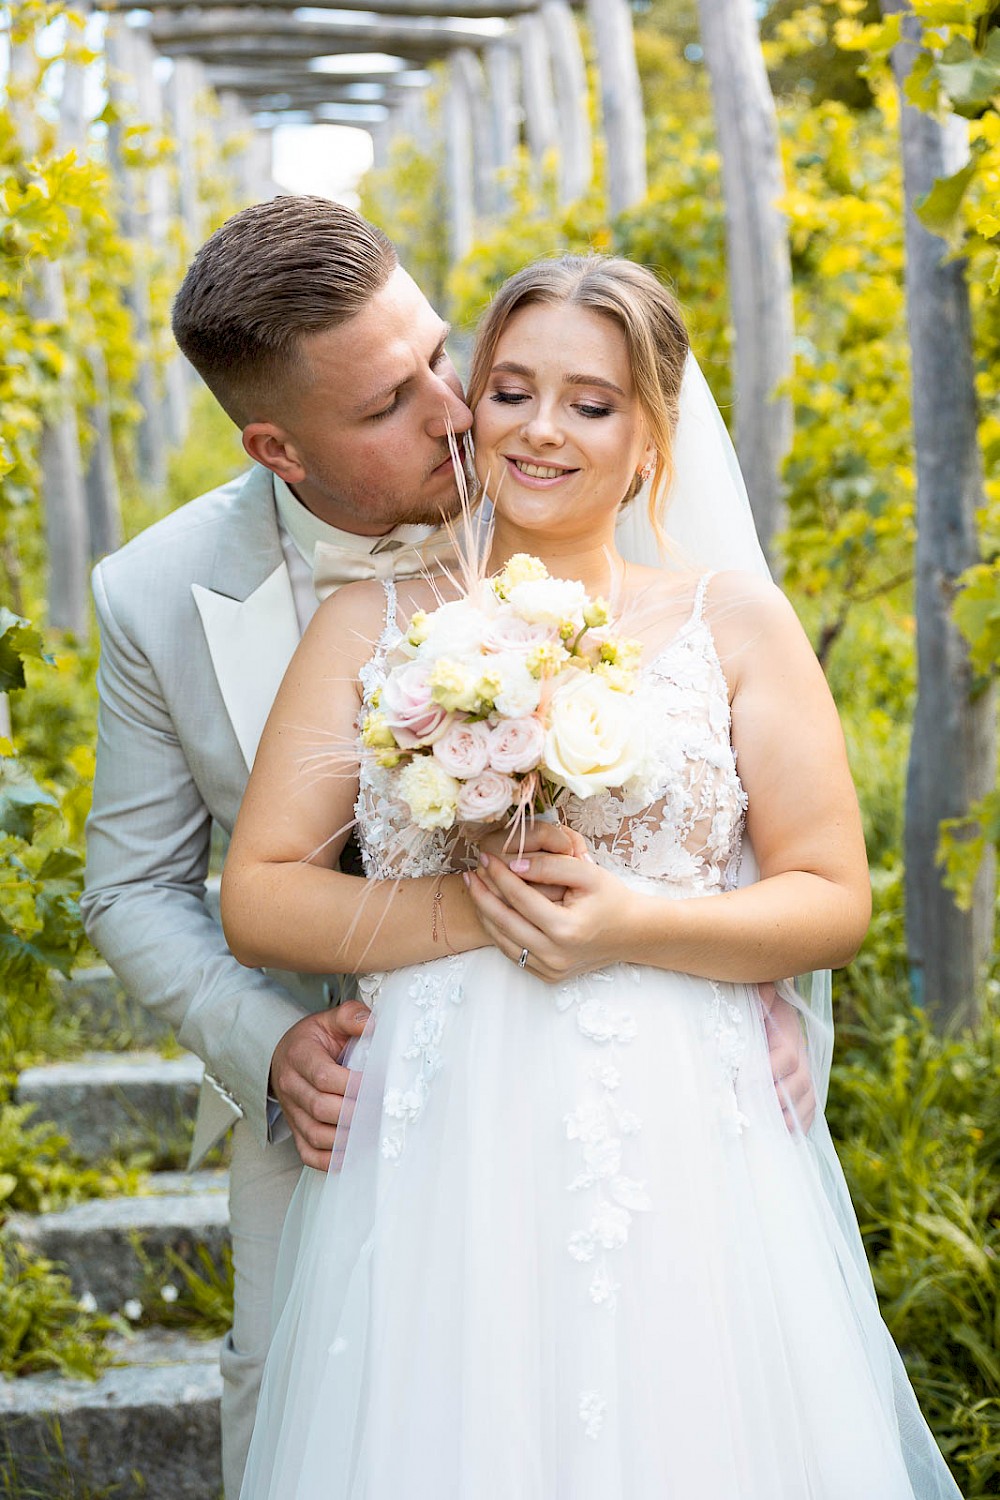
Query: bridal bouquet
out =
(507, 700)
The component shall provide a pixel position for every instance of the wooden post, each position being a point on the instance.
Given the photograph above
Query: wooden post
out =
(102, 495)
(484, 167)
(63, 502)
(458, 165)
(953, 745)
(151, 445)
(621, 102)
(540, 124)
(500, 71)
(569, 73)
(759, 255)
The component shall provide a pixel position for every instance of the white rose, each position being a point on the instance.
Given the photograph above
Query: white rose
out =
(464, 749)
(596, 739)
(516, 745)
(549, 601)
(454, 629)
(486, 798)
(518, 691)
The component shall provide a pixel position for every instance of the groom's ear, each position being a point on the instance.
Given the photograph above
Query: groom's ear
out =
(270, 445)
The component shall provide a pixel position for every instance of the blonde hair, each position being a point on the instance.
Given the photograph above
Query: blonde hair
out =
(648, 315)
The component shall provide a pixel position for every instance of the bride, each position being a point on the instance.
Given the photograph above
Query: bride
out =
(572, 1250)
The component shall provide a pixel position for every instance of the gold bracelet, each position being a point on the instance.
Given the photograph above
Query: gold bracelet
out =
(437, 917)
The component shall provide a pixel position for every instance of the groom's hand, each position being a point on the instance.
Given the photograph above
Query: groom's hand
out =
(789, 1060)
(309, 1080)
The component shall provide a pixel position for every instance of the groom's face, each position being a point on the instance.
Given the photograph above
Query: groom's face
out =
(363, 431)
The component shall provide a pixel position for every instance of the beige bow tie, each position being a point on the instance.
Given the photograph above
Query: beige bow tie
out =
(392, 558)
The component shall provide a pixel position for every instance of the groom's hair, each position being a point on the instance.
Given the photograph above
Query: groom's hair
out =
(270, 275)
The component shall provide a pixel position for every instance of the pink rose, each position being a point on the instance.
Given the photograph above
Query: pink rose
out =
(410, 711)
(464, 749)
(508, 632)
(516, 745)
(486, 798)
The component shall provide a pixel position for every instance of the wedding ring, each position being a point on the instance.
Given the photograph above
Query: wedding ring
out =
(523, 959)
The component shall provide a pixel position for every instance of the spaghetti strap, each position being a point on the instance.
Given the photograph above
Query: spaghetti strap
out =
(698, 607)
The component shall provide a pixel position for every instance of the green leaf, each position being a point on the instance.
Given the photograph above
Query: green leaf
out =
(59, 864)
(20, 794)
(19, 952)
(19, 642)
(971, 79)
(938, 210)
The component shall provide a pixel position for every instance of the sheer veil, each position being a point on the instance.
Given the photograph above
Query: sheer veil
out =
(709, 521)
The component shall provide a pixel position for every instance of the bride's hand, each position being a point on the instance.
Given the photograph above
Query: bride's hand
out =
(583, 931)
(539, 837)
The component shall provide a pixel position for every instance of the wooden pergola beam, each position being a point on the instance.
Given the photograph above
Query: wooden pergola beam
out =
(249, 79)
(469, 10)
(266, 51)
(254, 24)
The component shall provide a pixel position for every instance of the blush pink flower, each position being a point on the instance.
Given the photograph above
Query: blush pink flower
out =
(508, 632)
(486, 798)
(464, 749)
(516, 745)
(409, 709)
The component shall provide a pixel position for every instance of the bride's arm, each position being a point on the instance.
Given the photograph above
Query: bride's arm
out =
(284, 905)
(811, 907)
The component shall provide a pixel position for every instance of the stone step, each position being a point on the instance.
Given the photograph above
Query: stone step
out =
(94, 1241)
(147, 1428)
(107, 1015)
(119, 1103)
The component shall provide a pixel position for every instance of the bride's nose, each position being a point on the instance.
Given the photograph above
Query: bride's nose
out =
(541, 428)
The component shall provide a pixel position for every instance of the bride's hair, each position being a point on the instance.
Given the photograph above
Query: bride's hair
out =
(647, 314)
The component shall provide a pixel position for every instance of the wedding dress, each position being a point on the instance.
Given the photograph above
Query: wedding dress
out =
(572, 1251)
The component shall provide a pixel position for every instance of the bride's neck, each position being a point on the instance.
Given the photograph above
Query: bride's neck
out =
(597, 565)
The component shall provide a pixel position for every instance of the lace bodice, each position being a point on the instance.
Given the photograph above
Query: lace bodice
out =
(684, 833)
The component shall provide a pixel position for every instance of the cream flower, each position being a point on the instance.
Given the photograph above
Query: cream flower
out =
(550, 601)
(595, 738)
(429, 792)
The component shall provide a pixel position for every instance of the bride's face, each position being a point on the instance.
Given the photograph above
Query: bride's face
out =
(559, 430)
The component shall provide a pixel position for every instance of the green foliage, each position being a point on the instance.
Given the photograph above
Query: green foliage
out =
(918, 1133)
(802, 54)
(195, 1293)
(417, 223)
(42, 1324)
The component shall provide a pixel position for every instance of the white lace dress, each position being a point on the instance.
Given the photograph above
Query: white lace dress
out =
(573, 1252)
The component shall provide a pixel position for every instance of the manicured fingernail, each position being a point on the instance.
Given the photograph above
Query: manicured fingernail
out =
(519, 866)
(484, 860)
(465, 878)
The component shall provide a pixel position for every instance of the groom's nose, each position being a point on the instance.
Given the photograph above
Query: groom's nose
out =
(448, 409)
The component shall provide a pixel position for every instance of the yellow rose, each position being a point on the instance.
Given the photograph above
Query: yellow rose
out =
(376, 733)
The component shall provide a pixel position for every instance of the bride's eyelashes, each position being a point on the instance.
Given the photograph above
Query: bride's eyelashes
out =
(585, 408)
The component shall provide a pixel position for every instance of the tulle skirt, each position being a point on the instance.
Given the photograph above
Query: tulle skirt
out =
(571, 1251)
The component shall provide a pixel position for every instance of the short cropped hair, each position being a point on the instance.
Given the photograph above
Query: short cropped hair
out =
(646, 312)
(270, 275)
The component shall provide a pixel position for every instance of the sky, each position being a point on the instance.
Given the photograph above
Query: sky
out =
(325, 159)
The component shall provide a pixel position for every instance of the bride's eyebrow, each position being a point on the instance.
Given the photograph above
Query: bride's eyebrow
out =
(507, 367)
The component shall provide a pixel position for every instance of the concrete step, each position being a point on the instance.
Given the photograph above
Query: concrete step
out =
(94, 1241)
(119, 1103)
(147, 1428)
(107, 1015)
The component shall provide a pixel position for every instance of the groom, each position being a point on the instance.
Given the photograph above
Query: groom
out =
(346, 420)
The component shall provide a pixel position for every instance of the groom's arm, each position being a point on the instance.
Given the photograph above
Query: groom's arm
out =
(144, 903)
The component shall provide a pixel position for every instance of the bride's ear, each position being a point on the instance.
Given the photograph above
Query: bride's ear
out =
(270, 445)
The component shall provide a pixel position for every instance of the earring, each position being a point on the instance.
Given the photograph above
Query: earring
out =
(645, 473)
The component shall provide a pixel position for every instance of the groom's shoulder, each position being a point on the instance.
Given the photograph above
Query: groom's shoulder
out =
(183, 543)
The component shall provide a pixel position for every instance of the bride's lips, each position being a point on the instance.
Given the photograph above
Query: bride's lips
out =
(544, 475)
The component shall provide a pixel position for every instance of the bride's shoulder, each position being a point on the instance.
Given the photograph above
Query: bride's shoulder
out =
(745, 610)
(349, 619)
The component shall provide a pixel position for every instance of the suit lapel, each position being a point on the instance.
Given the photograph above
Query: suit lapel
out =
(248, 615)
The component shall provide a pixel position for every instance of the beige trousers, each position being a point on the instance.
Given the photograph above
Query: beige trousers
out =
(261, 1183)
